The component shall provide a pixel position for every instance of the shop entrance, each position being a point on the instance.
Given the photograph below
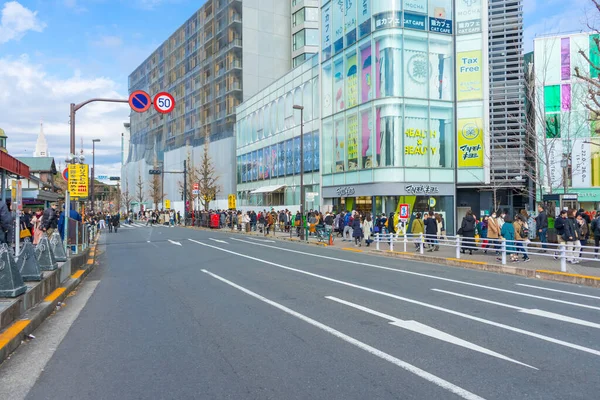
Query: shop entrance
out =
(364, 205)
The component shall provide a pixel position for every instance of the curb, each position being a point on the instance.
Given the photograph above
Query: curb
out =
(12, 337)
(546, 275)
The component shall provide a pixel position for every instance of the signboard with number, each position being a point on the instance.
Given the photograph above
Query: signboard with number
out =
(164, 103)
(78, 180)
(168, 204)
(404, 211)
(231, 202)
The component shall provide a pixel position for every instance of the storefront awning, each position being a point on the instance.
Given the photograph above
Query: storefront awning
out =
(268, 189)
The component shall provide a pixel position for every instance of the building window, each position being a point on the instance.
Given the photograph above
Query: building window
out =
(298, 40)
(305, 37)
(298, 17)
(299, 60)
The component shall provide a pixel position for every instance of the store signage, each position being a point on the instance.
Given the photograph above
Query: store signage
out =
(440, 25)
(421, 189)
(78, 180)
(413, 21)
(404, 211)
(468, 16)
(419, 6)
(345, 191)
(388, 19)
(470, 143)
(469, 75)
(326, 18)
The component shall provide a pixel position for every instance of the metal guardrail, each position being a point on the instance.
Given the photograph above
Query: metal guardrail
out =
(569, 252)
(79, 236)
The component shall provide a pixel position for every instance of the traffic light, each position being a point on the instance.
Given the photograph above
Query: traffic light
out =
(115, 178)
(155, 172)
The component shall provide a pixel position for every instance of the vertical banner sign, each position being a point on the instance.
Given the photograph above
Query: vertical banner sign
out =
(19, 196)
(581, 161)
(352, 141)
(78, 181)
(470, 143)
(556, 155)
(469, 75)
(364, 18)
(338, 25)
(326, 34)
(468, 17)
(167, 204)
(350, 22)
(565, 59)
(231, 202)
(351, 81)
(565, 97)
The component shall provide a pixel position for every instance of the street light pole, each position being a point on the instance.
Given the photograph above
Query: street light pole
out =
(94, 141)
(301, 108)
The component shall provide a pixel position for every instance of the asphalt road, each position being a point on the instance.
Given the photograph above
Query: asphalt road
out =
(184, 314)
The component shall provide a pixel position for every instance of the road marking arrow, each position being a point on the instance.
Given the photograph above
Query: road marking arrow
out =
(177, 243)
(426, 330)
(539, 313)
(217, 240)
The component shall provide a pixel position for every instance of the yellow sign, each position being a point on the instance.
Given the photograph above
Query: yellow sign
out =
(231, 202)
(470, 143)
(78, 180)
(168, 204)
(469, 75)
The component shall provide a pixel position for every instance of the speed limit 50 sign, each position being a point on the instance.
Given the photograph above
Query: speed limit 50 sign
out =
(164, 103)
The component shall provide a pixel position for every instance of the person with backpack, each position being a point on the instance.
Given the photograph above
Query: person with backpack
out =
(416, 229)
(574, 243)
(521, 235)
(596, 231)
(467, 230)
(347, 235)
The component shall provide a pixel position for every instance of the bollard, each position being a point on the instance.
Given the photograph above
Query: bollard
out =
(377, 241)
(563, 258)
(11, 282)
(405, 242)
(503, 249)
(56, 247)
(421, 244)
(391, 242)
(27, 264)
(457, 246)
(44, 255)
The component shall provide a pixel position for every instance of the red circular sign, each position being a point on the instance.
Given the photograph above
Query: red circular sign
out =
(65, 174)
(164, 103)
(139, 101)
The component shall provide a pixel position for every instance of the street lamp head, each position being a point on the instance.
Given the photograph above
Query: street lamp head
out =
(95, 140)
(81, 158)
(297, 107)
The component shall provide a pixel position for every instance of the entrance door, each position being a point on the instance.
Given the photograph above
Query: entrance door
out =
(364, 205)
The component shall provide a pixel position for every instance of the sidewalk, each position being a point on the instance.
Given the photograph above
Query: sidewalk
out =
(538, 265)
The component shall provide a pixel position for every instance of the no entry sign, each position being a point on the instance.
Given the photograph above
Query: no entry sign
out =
(139, 101)
(164, 103)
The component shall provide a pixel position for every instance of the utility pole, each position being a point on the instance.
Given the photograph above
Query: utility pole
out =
(301, 108)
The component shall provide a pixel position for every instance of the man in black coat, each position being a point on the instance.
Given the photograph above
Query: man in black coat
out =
(541, 223)
(431, 231)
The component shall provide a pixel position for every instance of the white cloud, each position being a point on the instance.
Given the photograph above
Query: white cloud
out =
(17, 20)
(29, 94)
(74, 5)
(108, 41)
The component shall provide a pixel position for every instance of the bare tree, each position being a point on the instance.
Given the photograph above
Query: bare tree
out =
(192, 177)
(126, 196)
(140, 195)
(208, 178)
(592, 103)
(155, 191)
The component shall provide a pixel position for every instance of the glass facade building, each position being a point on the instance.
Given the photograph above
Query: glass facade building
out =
(388, 106)
(268, 141)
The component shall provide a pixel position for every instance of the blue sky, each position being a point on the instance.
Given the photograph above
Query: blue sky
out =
(53, 52)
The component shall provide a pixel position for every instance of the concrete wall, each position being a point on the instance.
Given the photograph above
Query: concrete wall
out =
(266, 40)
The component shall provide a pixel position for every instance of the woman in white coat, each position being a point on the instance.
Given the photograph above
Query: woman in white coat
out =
(367, 228)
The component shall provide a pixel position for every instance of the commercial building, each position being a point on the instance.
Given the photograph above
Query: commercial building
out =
(568, 134)
(268, 141)
(225, 52)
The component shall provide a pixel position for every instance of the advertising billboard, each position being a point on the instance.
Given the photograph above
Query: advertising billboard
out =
(470, 142)
(469, 75)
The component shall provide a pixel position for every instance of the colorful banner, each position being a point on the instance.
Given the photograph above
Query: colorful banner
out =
(552, 126)
(338, 85)
(351, 81)
(565, 97)
(418, 6)
(244, 168)
(350, 22)
(470, 143)
(416, 142)
(469, 75)
(364, 18)
(326, 33)
(565, 58)
(552, 99)
(366, 75)
(308, 152)
(281, 159)
(296, 155)
(366, 132)
(352, 141)
(316, 159)
(289, 157)
(338, 132)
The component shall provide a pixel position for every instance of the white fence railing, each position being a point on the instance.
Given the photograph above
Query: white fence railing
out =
(568, 252)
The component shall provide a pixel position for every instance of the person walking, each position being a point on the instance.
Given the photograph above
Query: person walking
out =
(367, 229)
(116, 220)
(508, 233)
(541, 223)
(37, 226)
(6, 224)
(63, 220)
(416, 229)
(348, 219)
(493, 233)
(431, 231)
(467, 230)
(584, 230)
(483, 229)
(574, 242)
(521, 236)
(357, 232)
(49, 219)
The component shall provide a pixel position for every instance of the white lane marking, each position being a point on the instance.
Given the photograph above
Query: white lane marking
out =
(433, 307)
(426, 276)
(355, 342)
(217, 240)
(260, 240)
(176, 243)
(540, 313)
(426, 330)
(153, 244)
(559, 291)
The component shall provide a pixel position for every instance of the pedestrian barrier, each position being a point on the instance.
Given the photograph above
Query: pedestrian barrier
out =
(57, 247)
(44, 255)
(506, 250)
(11, 282)
(27, 263)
